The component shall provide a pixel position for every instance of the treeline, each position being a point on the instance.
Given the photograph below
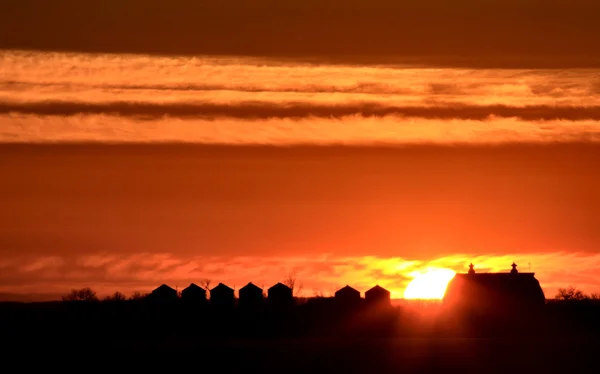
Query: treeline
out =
(573, 294)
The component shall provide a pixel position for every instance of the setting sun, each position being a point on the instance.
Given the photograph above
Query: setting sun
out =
(430, 284)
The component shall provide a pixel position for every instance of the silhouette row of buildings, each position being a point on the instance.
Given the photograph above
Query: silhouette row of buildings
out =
(488, 293)
(252, 295)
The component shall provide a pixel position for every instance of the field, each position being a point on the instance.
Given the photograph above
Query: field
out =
(352, 355)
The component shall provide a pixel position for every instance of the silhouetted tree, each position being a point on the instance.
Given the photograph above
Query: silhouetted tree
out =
(137, 296)
(117, 296)
(84, 294)
(205, 283)
(595, 296)
(570, 293)
(292, 282)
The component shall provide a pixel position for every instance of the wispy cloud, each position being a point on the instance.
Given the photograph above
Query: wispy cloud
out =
(101, 97)
(349, 130)
(144, 271)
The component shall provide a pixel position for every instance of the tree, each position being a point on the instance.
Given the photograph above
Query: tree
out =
(205, 283)
(569, 294)
(137, 296)
(292, 282)
(595, 296)
(84, 294)
(117, 296)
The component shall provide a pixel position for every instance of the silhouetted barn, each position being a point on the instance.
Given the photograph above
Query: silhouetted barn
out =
(250, 295)
(193, 294)
(280, 294)
(494, 293)
(163, 293)
(378, 296)
(222, 296)
(347, 296)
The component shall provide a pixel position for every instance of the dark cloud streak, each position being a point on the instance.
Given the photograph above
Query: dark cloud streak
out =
(361, 87)
(262, 110)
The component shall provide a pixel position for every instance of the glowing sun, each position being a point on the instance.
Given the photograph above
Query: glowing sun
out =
(429, 285)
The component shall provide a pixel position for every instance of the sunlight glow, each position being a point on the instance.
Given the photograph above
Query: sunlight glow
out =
(430, 284)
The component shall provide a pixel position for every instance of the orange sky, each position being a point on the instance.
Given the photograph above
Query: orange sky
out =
(129, 217)
(354, 142)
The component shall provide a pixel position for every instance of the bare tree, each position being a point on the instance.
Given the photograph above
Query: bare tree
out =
(595, 296)
(570, 293)
(117, 296)
(137, 296)
(205, 283)
(292, 282)
(318, 293)
(84, 294)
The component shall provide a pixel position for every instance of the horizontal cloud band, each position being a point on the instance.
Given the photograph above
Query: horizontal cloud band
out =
(261, 110)
(107, 272)
(293, 87)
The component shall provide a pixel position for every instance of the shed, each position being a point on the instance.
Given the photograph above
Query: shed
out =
(378, 295)
(280, 294)
(250, 295)
(222, 296)
(163, 293)
(347, 296)
(194, 294)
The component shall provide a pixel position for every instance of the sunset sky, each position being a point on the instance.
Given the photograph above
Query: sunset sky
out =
(358, 142)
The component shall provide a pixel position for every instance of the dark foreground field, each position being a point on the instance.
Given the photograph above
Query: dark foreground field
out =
(332, 355)
(561, 339)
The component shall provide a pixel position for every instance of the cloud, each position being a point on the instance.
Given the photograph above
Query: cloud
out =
(38, 76)
(283, 87)
(346, 130)
(233, 100)
(144, 271)
(296, 110)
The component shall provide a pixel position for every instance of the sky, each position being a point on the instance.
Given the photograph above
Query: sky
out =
(359, 143)
(516, 33)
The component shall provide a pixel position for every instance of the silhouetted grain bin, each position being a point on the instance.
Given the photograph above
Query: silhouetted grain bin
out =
(347, 296)
(222, 296)
(193, 294)
(280, 294)
(378, 296)
(163, 294)
(250, 295)
(494, 293)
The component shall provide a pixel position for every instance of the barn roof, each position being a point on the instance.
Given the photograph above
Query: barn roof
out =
(497, 288)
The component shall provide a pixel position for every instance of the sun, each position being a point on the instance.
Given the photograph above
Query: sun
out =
(430, 284)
